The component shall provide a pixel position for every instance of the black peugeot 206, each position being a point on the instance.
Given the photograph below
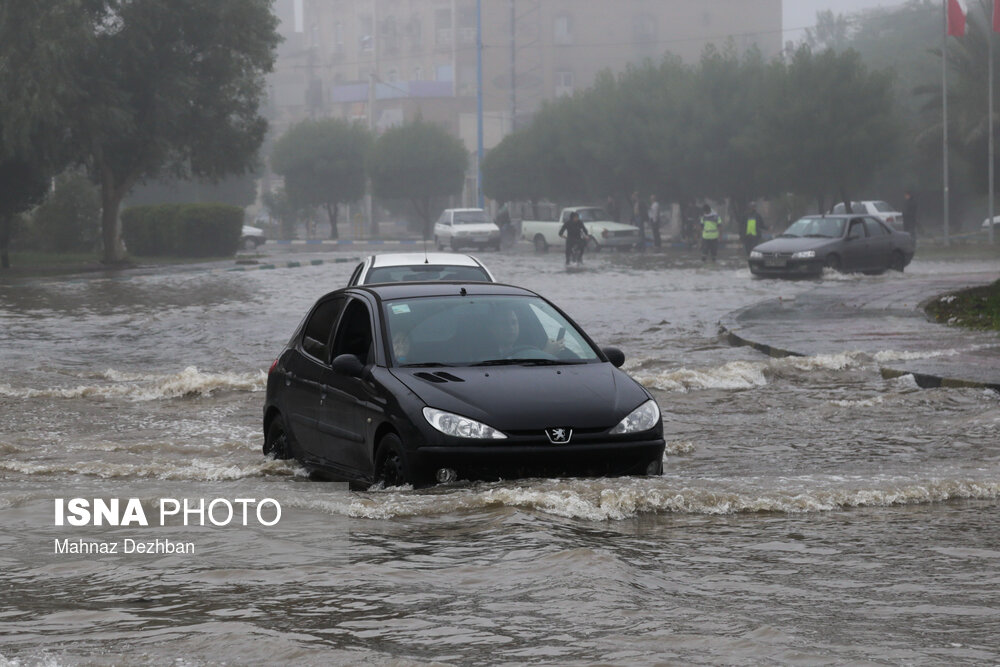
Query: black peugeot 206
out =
(422, 382)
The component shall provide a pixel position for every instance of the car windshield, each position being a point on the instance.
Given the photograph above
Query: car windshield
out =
(817, 227)
(592, 214)
(424, 272)
(482, 331)
(856, 207)
(884, 207)
(470, 217)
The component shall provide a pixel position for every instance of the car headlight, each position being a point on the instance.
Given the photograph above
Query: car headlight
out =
(642, 418)
(756, 254)
(804, 254)
(459, 426)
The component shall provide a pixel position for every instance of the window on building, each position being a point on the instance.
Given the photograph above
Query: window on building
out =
(467, 25)
(418, 73)
(390, 35)
(644, 29)
(564, 82)
(443, 73)
(442, 28)
(563, 30)
(338, 37)
(366, 33)
(415, 31)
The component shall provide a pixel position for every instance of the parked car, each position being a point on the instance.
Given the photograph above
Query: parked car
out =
(879, 209)
(458, 227)
(415, 382)
(252, 237)
(419, 267)
(996, 223)
(604, 232)
(840, 242)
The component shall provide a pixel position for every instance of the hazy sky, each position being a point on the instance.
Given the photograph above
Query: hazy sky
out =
(802, 13)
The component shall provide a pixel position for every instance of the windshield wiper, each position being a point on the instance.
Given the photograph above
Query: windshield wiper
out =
(526, 362)
(818, 236)
(787, 235)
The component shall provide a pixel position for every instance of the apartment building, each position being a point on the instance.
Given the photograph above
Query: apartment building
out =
(386, 61)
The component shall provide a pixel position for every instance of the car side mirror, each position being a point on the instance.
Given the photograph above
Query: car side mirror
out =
(348, 364)
(614, 355)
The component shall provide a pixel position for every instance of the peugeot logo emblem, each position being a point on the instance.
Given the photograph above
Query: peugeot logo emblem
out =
(559, 436)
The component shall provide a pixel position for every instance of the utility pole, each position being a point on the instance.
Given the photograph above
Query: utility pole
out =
(479, 103)
(513, 66)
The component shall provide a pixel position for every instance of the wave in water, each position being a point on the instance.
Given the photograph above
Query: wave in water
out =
(149, 386)
(195, 470)
(596, 501)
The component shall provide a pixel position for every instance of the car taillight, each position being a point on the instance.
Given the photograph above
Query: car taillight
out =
(273, 364)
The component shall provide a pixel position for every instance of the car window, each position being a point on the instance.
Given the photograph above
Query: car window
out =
(819, 226)
(875, 227)
(316, 333)
(592, 214)
(857, 230)
(354, 333)
(467, 330)
(470, 217)
(425, 272)
(883, 207)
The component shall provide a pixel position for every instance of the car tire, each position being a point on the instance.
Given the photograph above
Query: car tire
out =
(391, 465)
(249, 243)
(496, 246)
(833, 262)
(277, 443)
(437, 242)
(540, 244)
(898, 262)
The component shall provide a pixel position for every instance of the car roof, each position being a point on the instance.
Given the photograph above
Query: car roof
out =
(458, 210)
(437, 288)
(411, 258)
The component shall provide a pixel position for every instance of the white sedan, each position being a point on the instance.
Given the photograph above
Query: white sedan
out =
(459, 227)
(399, 267)
(877, 208)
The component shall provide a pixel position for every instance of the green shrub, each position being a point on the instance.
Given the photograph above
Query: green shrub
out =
(69, 220)
(183, 230)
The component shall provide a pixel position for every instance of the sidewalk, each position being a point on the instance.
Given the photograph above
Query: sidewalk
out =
(884, 319)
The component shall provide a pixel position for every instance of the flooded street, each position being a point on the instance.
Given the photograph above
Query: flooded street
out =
(810, 511)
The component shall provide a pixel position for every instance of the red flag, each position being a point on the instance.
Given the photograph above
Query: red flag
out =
(996, 15)
(956, 18)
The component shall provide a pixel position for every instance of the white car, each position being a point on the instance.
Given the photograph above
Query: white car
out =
(879, 209)
(459, 227)
(252, 237)
(410, 267)
(604, 232)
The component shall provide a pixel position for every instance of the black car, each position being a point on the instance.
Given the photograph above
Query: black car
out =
(840, 242)
(416, 382)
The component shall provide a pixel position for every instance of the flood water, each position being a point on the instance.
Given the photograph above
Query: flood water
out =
(810, 512)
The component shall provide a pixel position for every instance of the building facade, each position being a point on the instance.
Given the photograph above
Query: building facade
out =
(383, 62)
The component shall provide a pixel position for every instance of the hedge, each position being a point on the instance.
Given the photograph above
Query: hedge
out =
(182, 230)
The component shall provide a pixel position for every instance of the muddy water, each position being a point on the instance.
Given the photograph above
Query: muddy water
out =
(810, 510)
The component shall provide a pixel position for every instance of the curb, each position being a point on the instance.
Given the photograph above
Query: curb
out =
(923, 380)
(292, 264)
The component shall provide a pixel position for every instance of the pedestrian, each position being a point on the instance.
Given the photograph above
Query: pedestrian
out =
(639, 218)
(754, 226)
(709, 233)
(576, 236)
(654, 220)
(611, 207)
(910, 214)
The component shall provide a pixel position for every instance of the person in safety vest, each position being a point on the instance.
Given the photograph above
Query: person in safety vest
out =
(709, 233)
(751, 232)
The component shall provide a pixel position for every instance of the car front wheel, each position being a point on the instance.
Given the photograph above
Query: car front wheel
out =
(833, 263)
(391, 466)
(540, 244)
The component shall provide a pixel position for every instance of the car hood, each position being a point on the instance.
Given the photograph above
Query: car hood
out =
(513, 398)
(790, 245)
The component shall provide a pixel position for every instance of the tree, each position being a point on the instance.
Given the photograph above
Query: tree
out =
(323, 162)
(830, 124)
(419, 162)
(70, 217)
(134, 90)
(22, 185)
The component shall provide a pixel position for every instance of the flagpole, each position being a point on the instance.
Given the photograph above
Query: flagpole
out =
(989, 119)
(944, 105)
